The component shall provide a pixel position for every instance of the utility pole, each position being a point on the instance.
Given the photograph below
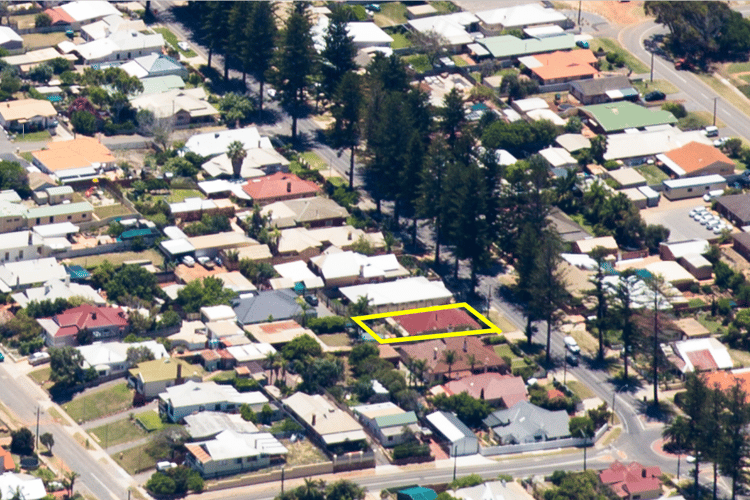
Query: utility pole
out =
(38, 410)
(579, 16)
(583, 434)
(282, 480)
(455, 460)
(565, 370)
(652, 66)
(716, 100)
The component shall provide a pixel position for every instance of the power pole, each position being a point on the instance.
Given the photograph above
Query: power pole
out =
(652, 66)
(716, 100)
(455, 460)
(38, 410)
(579, 16)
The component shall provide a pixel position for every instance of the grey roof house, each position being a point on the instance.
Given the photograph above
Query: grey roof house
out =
(599, 90)
(527, 423)
(460, 440)
(272, 305)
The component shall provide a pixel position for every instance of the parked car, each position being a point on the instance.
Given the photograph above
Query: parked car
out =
(38, 358)
(2, 357)
(184, 46)
(571, 344)
(271, 93)
(188, 261)
(218, 261)
(162, 466)
(206, 262)
(583, 44)
(656, 95)
(711, 131)
(312, 300)
(572, 359)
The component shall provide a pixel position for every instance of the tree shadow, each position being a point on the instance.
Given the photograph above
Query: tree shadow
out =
(267, 117)
(663, 412)
(630, 385)
(595, 363)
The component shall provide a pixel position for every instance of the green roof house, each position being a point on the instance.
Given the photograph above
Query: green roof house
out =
(416, 493)
(509, 46)
(617, 116)
(153, 377)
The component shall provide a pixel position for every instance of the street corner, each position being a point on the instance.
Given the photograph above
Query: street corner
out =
(658, 448)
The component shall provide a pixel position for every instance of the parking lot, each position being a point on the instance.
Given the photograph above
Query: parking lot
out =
(678, 221)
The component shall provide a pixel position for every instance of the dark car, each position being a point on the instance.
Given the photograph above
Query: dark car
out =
(656, 95)
(572, 359)
(312, 300)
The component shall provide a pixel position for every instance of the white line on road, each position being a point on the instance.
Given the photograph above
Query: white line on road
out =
(105, 487)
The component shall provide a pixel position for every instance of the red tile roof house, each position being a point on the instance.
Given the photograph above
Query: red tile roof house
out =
(492, 387)
(432, 351)
(279, 187)
(103, 322)
(632, 481)
(6, 461)
(447, 320)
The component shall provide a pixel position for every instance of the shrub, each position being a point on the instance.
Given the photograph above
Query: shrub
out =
(677, 109)
(408, 450)
(327, 324)
(42, 20)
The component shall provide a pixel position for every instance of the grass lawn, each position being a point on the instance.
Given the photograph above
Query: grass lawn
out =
(443, 7)
(141, 457)
(179, 195)
(610, 45)
(391, 14)
(738, 101)
(612, 436)
(420, 62)
(697, 120)
(504, 350)
(585, 340)
(40, 40)
(580, 390)
(740, 358)
(303, 453)
(111, 211)
(100, 403)
(400, 41)
(42, 135)
(41, 375)
(460, 62)
(738, 68)
(644, 86)
(171, 39)
(24, 21)
(708, 322)
(27, 156)
(119, 257)
(150, 420)
(652, 173)
(57, 416)
(338, 181)
(501, 322)
(220, 376)
(581, 221)
(335, 339)
(313, 160)
(118, 432)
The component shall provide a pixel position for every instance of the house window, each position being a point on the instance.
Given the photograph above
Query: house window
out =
(690, 190)
(51, 219)
(20, 254)
(70, 217)
(217, 407)
(83, 216)
(7, 255)
(390, 438)
(239, 461)
(38, 220)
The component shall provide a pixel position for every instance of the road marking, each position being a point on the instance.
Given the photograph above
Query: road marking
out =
(105, 487)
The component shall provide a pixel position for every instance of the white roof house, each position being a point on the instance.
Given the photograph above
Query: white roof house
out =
(56, 230)
(296, 271)
(558, 158)
(58, 289)
(520, 16)
(546, 114)
(119, 46)
(229, 447)
(694, 181)
(504, 158)
(529, 104)
(393, 295)
(337, 265)
(111, 357)
(368, 34)
(680, 249)
(189, 205)
(672, 271)
(108, 25)
(207, 424)
(184, 399)
(702, 354)
(250, 352)
(30, 487)
(463, 441)
(178, 247)
(573, 142)
(9, 38)
(216, 143)
(257, 162)
(452, 27)
(16, 275)
(330, 423)
(90, 9)
(650, 142)
(168, 104)
(218, 313)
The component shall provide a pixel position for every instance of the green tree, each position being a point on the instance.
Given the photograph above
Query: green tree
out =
(469, 410)
(66, 368)
(84, 337)
(361, 307)
(22, 441)
(41, 73)
(345, 131)
(237, 154)
(658, 288)
(625, 301)
(598, 148)
(574, 125)
(14, 176)
(235, 109)
(548, 283)
(433, 197)
(207, 292)
(260, 33)
(135, 355)
(736, 447)
(301, 348)
(518, 88)
(321, 373)
(294, 63)
(676, 108)
(48, 440)
(103, 274)
(161, 484)
(343, 489)
(453, 113)
(214, 18)
(599, 254)
(339, 51)
(449, 358)
(581, 427)
(132, 281)
(83, 123)
(654, 235)
(42, 20)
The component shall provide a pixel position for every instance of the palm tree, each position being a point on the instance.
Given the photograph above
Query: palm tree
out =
(361, 307)
(305, 307)
(278, 365)
(236, 153)
(70, 481)
(472, 360)
(449, 357)
(268, 362)
(232, 260)
(676, 436)
(311, 490)
(420, 366)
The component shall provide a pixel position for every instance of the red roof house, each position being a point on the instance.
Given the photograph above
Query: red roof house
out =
(279, 187)
(632, 481)
(59, 16)
(454, 320)
(560, 66)
(494, 388)
(433, 353)
(6, 461)
(102, 322)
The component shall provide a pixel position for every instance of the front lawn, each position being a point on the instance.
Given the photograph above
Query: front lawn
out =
(41, 375)
(459, 61)
(645, 86)
(580, 390)
(142, 457)
(118, 432)
(610, 45)
(313, 160)
(150, 421)
(100, 403)
(40, 136)
(652, 173)
(171, 39)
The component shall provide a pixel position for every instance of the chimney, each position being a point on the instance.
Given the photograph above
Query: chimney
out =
(67, 279)
(362, 271)
(179, 371)
(289, 187)
(93, 315)
(216, 135)
(466, 345)
(349, 236)
(481, 394)
(313, 420)
(643, 472)
(434, 353)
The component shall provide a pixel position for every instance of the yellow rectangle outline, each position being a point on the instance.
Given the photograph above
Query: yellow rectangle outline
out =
(359, 320)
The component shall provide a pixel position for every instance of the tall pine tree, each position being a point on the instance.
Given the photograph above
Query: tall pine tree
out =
(432, 189)
(347, 104)
(260, 35)
(337, 58)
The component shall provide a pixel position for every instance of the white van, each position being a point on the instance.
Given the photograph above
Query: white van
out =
(711, 131)
(712, 194)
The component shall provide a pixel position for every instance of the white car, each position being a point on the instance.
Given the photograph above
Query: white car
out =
(188, 261)
(162, 466)
(184, 46)
(571, 344)
(271, 93)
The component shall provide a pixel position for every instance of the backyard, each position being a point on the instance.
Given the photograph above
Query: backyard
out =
(117, 432)
(100, 403)
(119, 258)
(34, 41)
(150, 421)
(114, 210)
(652, 174)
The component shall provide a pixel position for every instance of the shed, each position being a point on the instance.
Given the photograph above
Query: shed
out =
(678, 249)
(638, 198)
(691, 328)
(697, 265)
(693, 187)
(587, 245)
(573, 142)
(558, 158)
(673, 273)
(628, 177)
(652, 197)
(462, 440)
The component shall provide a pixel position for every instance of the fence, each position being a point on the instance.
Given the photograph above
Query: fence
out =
(354, 461)
(266, 477)
(508, 449)
(120, 246)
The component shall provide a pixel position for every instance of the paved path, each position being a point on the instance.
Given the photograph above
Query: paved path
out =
(91, 424)
(130, 444)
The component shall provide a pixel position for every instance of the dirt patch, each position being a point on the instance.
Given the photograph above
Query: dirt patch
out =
(614, 12)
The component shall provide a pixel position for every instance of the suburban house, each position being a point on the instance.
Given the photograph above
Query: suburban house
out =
(151, 378)
(303, 244)
(21, 245)
(273, 305)
(109, 358)
(691, 328)
(446, 320)
(108, 25)
(466, 349)
(10, 40)
(26, 114)
(495, 388)
(279, 187)
(12, 215)
(339, 268)
(587, 245)
(277, 333)
(192, 336)
(364, 34)
(191, 209)
(494, 490)
(179, 401)
(494, 21)
(387, 421)
(208, 424)
(295, 275)
(562, 66)
(308, 212)
(78, 159)
(454, 28)
(627, 177)
(618, 116)
(250, 353)
(26, 273)
(74, 213)
(741, 243)
(735, 207)
(459, 439)
(20, 485)
(694, 159)
(527, 423)
(258, 162)
(6, 461)
(24, 62)
(183, 106)
(601, 90)
(401, 294)
(213, 144)
(508, 47)
(693, 355)
(103, 322)
(232, 452)
(329, 425)
(118, 46)
(637, 147)
(632, 481)
(78, 13)
(57, 289)
(154, 65)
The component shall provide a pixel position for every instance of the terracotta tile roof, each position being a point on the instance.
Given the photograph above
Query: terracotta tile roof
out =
(726, 380)
(432, 352)
(626, 480)
(26, 109)
(702, 360)
(79, 153)
(279, 185)
(437, 321)
(387, 352)
(576, 63)
(493, 386)
(59, 16)
(7, 458)
(279, 326)
(209, 355)
(73, 320)
(694, 156)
